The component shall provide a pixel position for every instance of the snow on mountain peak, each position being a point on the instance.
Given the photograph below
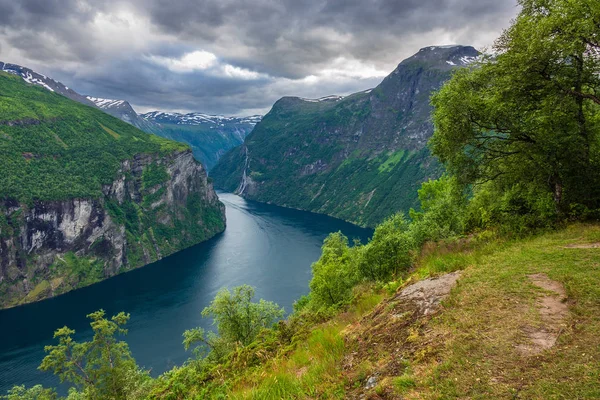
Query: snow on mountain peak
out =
(196, 118)
(105, 103)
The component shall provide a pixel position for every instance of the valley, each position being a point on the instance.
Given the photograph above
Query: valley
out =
(359, 158)
(426, 233)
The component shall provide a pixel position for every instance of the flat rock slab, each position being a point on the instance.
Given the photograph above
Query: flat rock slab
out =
(428, 293)
(553, 311)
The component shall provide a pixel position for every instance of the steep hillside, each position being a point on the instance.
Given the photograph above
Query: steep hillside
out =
(359, 158)
(84, 196)
(209, 136)
(44, 81)
(475, 320)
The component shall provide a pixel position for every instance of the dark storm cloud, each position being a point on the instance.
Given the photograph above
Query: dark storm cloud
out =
(263, 49)
(289, 37)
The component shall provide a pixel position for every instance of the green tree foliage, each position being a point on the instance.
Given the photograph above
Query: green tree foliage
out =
(389, 252)
(530, 115)
(35, 393)
(335, 273)
(102, 368)
(238, 319)
(443, 207)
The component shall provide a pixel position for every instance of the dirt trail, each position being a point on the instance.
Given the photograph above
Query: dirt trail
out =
(582, 246)
(553, 311)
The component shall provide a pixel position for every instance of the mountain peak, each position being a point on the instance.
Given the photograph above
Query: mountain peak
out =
(447, 56)
(42, 80)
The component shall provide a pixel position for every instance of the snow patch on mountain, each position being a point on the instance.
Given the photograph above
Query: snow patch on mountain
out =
(105, 103)
(198, 119)
(326, 98)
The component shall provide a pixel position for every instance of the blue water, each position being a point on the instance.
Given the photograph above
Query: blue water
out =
(268, 247)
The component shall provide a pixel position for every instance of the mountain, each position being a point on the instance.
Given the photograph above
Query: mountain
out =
(210, 136)
(123, 110)
(359, 158)
(85, 196)
(34, 78)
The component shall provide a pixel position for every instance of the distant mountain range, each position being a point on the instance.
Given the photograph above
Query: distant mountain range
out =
(210, 136)
(360, 158)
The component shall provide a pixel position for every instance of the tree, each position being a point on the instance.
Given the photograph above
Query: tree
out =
(334, 274)
(103, 368)
(389, 251)
(35, 393)
(238, 321)
(530, 114)
(443, 207)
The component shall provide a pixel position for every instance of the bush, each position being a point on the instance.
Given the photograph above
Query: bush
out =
(238, 321)
(443, 207)
(389, 252)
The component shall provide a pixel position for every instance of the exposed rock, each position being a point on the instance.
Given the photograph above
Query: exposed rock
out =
(393, 328)
(371, 382)
(428, 293)
(42, 234)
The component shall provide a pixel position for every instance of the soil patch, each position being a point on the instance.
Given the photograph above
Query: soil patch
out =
(583, 246)
(553, 311)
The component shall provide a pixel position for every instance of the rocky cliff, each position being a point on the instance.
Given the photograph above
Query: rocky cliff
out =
(360, 158)
(84, 196)
(50, 247)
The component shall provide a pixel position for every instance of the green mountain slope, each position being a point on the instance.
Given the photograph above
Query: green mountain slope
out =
(84, 196)
(359, 158)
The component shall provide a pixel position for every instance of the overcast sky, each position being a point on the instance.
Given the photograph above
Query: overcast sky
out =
(233, 57)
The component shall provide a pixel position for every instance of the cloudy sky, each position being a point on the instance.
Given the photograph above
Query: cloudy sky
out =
(233, 57)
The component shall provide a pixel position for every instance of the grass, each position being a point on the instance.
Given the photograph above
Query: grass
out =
(391, 161)
(312, 370)
(469, 350)
(484, 319)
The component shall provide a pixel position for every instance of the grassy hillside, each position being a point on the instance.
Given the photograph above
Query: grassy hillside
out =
(467, 349)
(53, 148)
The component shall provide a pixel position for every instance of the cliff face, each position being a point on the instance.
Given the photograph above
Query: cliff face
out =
(360, 158)
(85, 196)
(50, 247)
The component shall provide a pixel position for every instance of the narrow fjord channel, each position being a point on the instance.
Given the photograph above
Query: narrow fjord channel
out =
(268, 247)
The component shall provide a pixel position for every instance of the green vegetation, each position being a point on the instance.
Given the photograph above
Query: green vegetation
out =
(358, 159)
(60, 156)
(102, 368)
(501, 230)
(238, 320)
(153, 175)
(527, 120)
(54, 148)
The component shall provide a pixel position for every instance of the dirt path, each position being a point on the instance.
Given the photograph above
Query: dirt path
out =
(583, 246)
(553, 311)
